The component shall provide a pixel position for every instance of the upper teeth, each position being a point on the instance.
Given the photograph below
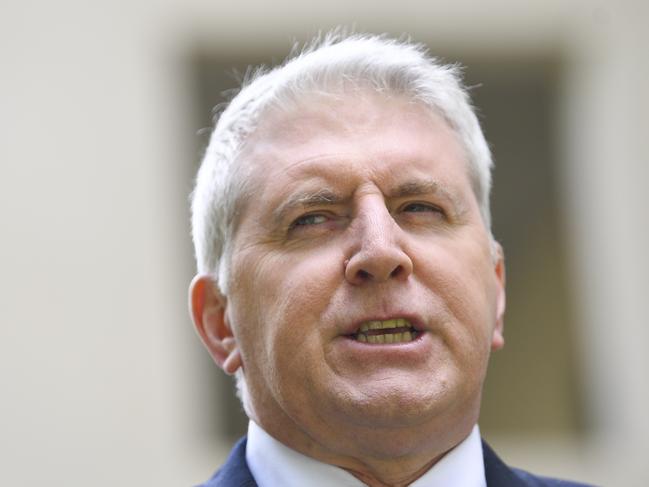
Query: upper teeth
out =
(398, 330)
(376, 325)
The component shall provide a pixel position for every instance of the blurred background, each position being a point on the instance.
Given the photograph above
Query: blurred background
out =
(105, 111)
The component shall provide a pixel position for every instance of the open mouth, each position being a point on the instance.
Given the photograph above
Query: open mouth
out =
(397, 330)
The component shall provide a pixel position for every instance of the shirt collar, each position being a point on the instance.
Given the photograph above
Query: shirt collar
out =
(272, 463)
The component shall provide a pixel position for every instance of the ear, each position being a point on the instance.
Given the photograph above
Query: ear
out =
(208, 309)
(498, 338)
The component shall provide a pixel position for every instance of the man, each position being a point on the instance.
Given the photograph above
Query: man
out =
(347, 274)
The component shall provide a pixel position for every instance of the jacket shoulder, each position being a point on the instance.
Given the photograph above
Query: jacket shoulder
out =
(234, 472)
(536, 480)
(500, 475)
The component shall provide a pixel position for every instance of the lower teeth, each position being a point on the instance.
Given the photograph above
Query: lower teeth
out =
(404, 337)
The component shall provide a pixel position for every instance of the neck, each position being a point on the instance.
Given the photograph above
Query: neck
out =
(386, 475)
(378, 458)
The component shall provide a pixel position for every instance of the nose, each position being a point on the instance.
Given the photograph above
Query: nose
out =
(378, 248)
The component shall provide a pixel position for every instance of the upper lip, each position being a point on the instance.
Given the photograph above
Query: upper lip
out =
(415, 321)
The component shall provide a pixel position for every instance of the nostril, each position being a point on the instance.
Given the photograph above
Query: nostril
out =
(377, 264)
(399, 270)
(364, 274)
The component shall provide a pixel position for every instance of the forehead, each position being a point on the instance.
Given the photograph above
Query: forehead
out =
(354, 113)
(337, 139)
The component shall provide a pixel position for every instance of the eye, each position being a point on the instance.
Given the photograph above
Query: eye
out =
(311, 219)
(421, 208)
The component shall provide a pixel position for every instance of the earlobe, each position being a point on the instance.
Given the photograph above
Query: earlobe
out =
(498, 338)
(208, 308)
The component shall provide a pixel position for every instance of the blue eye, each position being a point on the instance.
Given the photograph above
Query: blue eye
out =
(313, 219)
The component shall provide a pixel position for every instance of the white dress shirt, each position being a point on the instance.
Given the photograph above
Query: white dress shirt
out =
(273, 464)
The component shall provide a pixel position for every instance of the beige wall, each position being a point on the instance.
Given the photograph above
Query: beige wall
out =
(98, 365)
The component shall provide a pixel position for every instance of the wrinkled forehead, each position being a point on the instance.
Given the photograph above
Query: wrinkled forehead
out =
(308, 128)
(293, 126)
(319, 115)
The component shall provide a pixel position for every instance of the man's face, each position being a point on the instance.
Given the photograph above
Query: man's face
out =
(362, 212)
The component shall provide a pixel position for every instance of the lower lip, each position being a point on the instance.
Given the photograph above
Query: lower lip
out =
(421, 345)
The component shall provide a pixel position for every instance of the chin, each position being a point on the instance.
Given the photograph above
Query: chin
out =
(399, 424)
(387, 405)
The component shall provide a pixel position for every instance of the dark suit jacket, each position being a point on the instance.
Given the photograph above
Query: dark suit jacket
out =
(235, 472)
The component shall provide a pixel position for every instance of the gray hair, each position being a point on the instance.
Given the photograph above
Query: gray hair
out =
(331, 63)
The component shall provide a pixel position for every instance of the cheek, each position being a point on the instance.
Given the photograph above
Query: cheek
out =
(284, 299)
(302, 284)
(461, 277)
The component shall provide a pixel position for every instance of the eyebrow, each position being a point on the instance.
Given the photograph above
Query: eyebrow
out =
(427, 187)
(304, 200)
(307, 199)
